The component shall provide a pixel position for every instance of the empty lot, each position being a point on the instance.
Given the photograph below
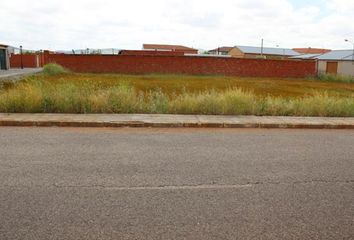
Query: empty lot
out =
(175, 94)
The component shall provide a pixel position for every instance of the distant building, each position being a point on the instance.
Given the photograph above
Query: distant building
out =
(4, 57)
(93, 51)
(337, 62)
(220, 51)
(259, 52)
(171, 48)
(311, 50)
(149, 53)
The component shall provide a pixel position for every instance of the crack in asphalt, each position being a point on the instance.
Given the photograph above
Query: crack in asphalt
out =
(168, 187)
(301, 182)
(201, 186)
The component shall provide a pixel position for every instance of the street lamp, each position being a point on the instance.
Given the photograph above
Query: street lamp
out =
(21, 57)
(353, 48)
(283, 50)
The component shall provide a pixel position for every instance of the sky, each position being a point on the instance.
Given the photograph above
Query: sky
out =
(202, 24)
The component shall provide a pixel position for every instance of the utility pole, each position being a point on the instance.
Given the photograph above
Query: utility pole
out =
(353, 49)
(262, 47)
(21, 53)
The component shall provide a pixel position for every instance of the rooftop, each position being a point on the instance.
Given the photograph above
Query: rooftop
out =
(337, 55)
(311, 50)
(166, 47)
(306, 56)
(222, 49)
(268, 51)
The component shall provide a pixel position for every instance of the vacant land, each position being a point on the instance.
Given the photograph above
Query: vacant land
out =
(176, 84)
(113, 93)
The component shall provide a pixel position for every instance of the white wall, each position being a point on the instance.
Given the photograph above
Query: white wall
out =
(346, 68)
(322, 66)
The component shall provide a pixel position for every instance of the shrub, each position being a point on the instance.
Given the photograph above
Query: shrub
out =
(53, 69)
(335, 78)
(236, 101)
(157, 102)
(120, 99)
(197, 103)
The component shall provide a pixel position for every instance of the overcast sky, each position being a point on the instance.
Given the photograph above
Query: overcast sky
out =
(205, 24)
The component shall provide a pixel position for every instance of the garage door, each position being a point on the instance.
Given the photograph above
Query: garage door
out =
(2, 59)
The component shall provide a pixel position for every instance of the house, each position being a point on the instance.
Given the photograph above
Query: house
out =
(337, 62)
(170, 48)
(220, 51)
(259, 52)
(311, 50)
(4, 57)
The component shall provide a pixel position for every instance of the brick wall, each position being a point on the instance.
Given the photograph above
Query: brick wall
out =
(29, 60)
(133, 64)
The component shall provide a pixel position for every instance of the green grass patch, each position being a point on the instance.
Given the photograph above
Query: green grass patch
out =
(335, 78)
(53, 69)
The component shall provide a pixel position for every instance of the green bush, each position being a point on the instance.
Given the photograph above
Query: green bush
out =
(53, 69)
(335, 78)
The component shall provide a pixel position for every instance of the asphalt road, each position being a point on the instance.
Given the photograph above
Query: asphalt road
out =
(69, 183)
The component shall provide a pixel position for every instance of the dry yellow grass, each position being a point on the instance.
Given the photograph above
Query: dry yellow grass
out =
(170, 84)
(110, 93)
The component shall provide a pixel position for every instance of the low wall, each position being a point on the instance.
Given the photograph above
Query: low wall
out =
(145, 64)
(28, 60)
(134, 64)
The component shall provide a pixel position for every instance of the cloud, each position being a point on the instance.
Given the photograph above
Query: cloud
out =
(341, 5)
(64, 24)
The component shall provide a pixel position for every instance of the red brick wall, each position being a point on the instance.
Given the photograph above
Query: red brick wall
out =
(184, 65)
(29, 60)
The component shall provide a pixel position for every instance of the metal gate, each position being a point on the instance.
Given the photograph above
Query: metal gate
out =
(3, 65)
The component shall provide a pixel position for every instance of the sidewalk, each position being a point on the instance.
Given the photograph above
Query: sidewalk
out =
(15, 73)
(159, 120)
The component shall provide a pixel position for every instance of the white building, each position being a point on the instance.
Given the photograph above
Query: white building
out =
(337, 62)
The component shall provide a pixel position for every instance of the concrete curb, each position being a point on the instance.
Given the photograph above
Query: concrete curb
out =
(172, 121)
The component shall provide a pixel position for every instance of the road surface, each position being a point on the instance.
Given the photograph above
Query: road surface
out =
(17, 73)
(72, 183)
